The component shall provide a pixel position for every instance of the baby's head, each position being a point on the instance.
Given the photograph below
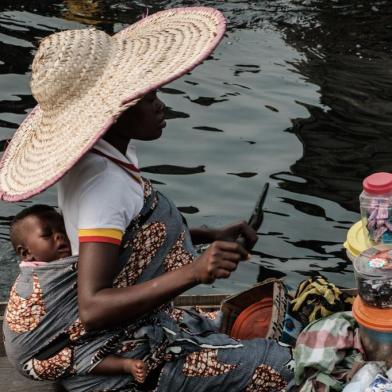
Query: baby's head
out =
(38, 234)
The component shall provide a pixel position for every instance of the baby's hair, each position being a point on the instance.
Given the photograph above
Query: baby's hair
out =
(34, 210)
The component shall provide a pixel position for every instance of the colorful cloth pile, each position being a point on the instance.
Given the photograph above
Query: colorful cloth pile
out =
(328, 353)
(315, 298)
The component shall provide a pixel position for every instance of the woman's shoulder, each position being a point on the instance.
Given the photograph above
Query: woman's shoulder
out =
(89, 166)
(91, 170)
(94, 183)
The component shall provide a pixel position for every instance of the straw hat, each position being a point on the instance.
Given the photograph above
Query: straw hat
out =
(84, 79)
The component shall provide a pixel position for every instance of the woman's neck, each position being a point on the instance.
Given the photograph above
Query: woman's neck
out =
(121, 144)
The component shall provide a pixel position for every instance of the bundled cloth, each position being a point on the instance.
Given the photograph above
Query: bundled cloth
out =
(315, 298)
(328, 353)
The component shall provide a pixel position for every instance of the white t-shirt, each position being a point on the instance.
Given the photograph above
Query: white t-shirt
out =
(99, 198)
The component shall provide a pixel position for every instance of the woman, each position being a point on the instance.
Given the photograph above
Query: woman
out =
(135, 252)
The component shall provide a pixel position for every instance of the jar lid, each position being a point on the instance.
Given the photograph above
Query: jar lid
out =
(372, 317)
(375, 262)
(253, 321)
(357, 241)
(378, 183)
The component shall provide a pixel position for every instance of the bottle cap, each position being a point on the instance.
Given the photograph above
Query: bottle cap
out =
(378, 183)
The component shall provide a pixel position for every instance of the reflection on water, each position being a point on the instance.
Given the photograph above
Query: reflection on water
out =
(86, 12)
(348, 55)
(171, 169)
(297, 94)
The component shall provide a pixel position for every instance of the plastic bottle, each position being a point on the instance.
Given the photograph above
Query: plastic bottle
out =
(376, 207)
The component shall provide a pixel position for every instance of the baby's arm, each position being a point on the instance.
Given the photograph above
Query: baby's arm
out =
(113, 364)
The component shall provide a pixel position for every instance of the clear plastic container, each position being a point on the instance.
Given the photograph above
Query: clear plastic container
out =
(376, 207)
(373, 273)
(375, 330)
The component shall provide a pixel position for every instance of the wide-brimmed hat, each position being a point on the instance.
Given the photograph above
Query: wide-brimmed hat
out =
(84, 79)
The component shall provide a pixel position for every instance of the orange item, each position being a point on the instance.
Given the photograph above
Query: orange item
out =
(254, 321)
(371, 317)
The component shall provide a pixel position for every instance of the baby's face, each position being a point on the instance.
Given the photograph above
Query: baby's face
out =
(45, 237)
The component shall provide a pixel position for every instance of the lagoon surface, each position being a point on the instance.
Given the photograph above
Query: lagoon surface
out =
(297, 94)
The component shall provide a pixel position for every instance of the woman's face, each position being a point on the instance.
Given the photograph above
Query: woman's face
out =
(144, 121)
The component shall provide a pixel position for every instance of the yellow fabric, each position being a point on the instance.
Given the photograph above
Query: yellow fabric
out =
(321, 288)
(111, 233)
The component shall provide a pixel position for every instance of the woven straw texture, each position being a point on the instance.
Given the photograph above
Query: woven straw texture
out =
(84, 79)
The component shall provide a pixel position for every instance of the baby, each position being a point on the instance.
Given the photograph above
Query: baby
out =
(38, 237)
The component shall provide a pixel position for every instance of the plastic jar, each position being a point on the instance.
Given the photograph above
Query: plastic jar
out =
(375, 330)
(357, 241)
(376, 207)
(373, 273)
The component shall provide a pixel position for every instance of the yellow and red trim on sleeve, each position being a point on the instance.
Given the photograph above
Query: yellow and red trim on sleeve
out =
(111, 236)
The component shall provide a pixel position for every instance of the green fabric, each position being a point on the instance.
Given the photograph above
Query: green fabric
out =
(326, 351)
(329, 383)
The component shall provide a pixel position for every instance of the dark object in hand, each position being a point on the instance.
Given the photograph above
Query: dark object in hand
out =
(256, 219)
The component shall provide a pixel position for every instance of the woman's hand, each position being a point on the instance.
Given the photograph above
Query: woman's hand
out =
(233, 231)
(218, 261)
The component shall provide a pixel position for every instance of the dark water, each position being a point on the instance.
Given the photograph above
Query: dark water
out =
(297, 94)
